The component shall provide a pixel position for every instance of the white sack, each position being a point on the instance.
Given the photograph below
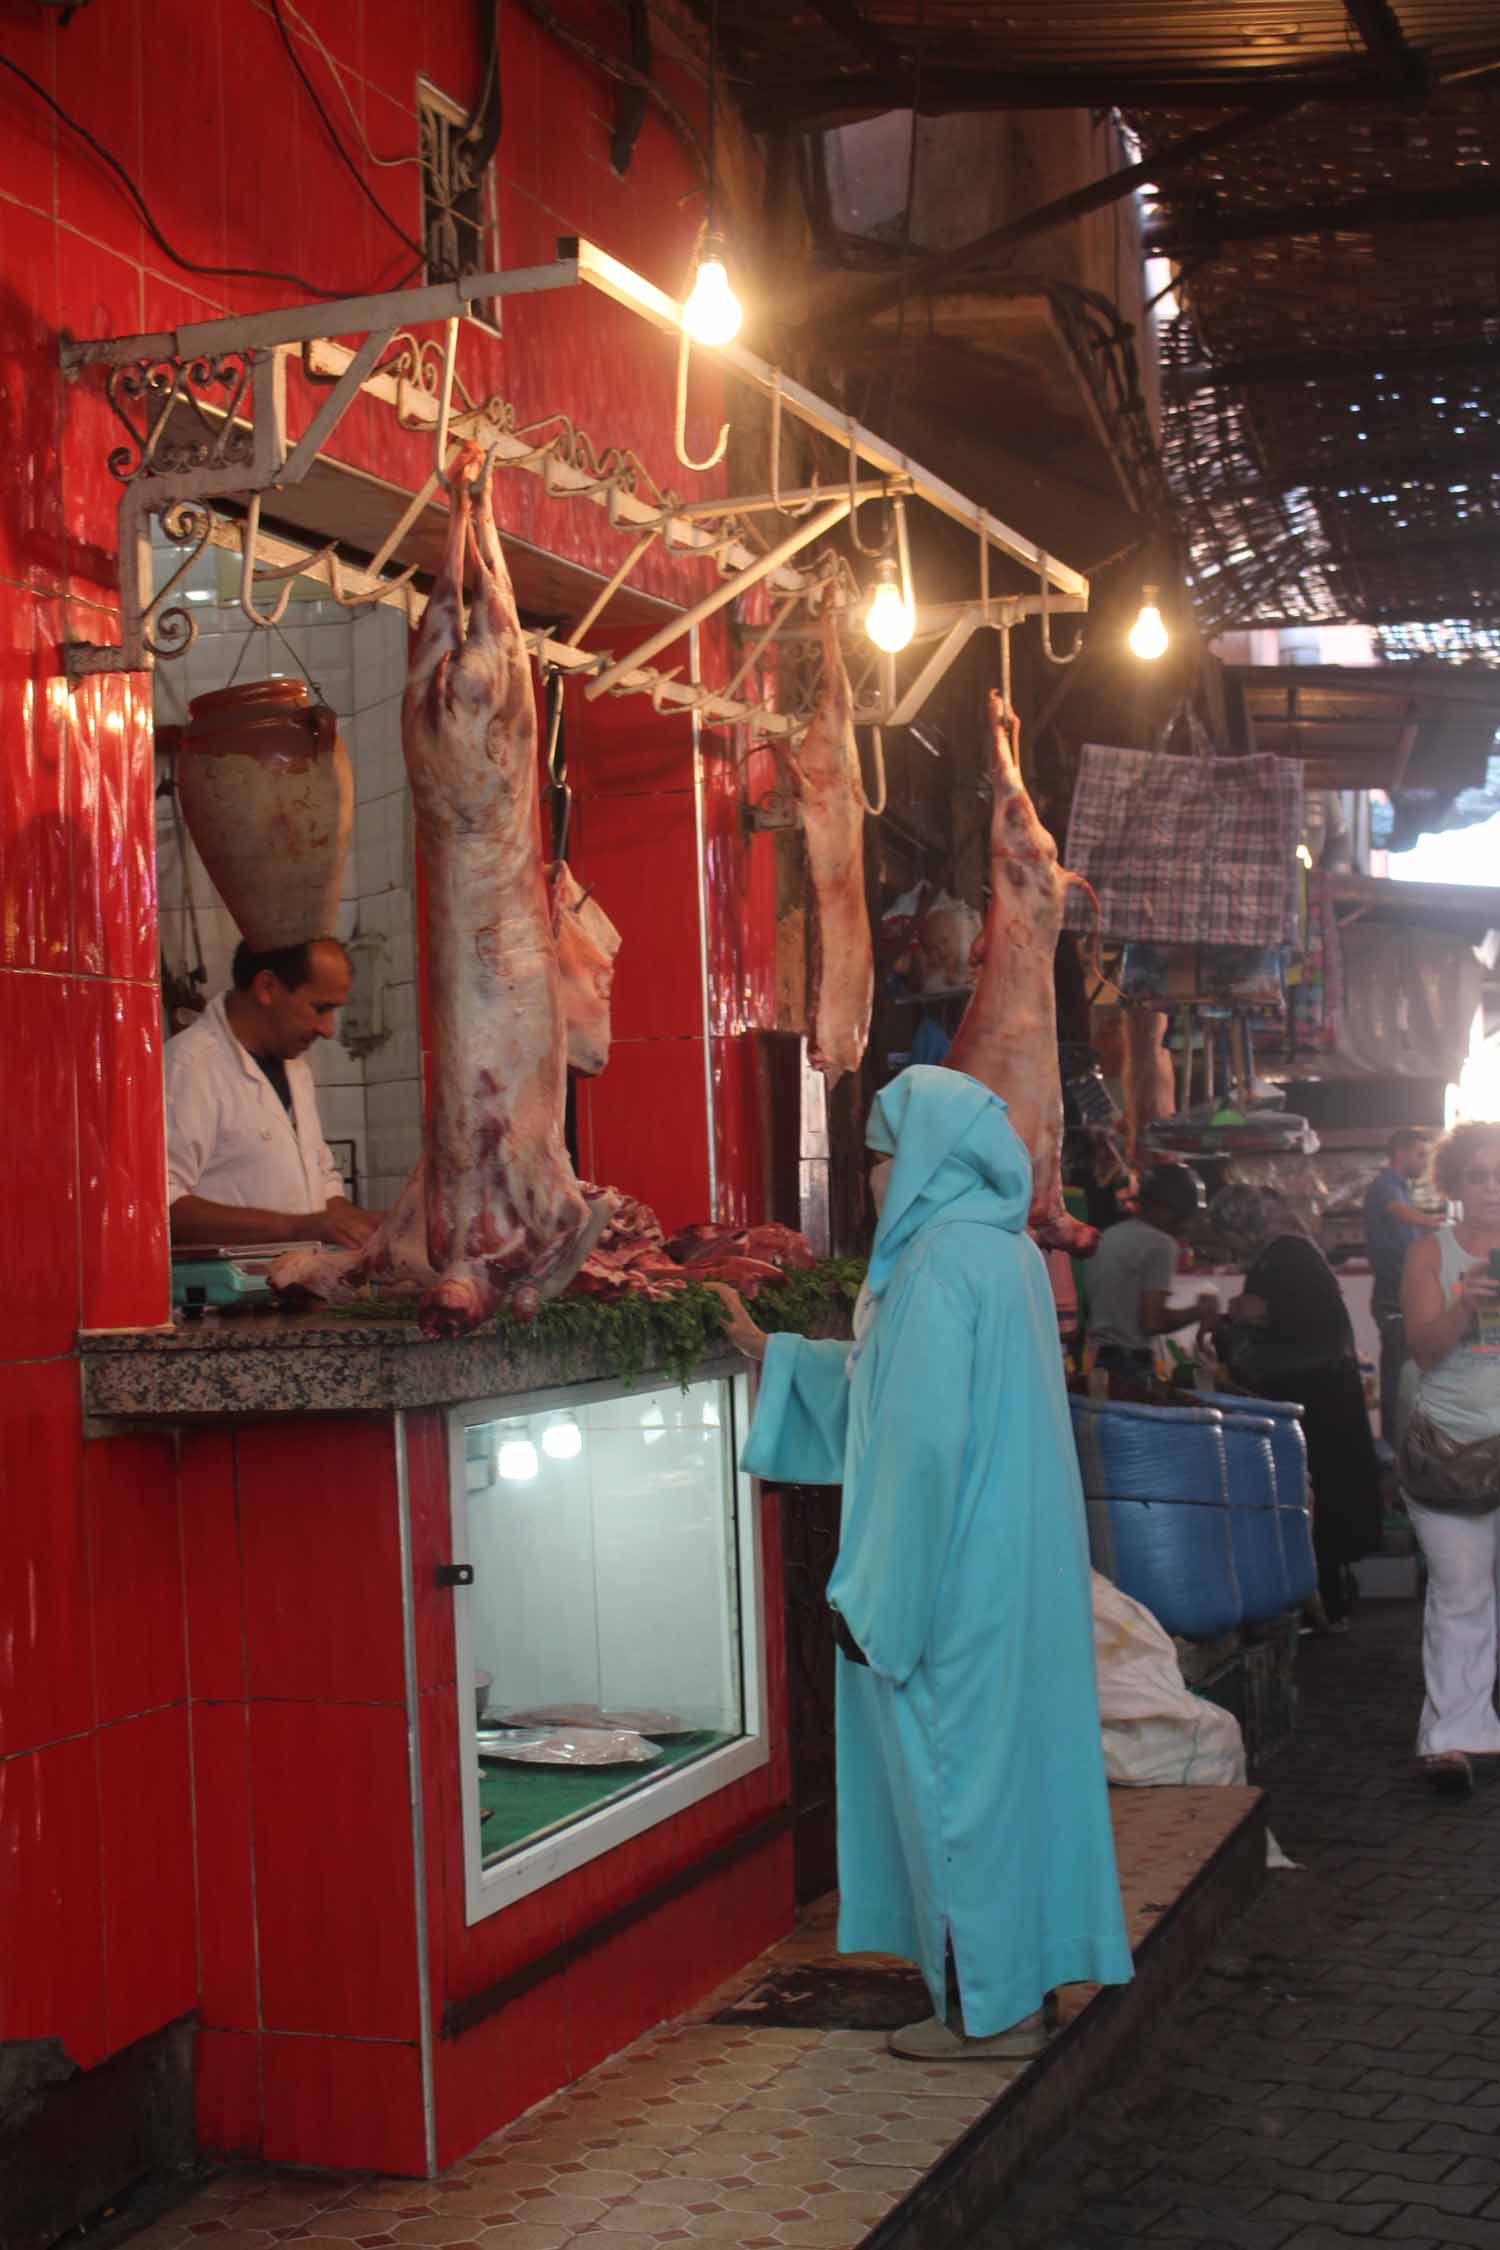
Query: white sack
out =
(1156, 1731)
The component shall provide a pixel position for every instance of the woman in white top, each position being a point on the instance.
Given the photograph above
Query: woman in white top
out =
(1452, 1311)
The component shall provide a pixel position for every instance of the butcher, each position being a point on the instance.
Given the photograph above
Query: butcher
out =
(246, 1157)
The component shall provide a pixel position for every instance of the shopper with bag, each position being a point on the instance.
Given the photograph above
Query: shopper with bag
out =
(1449, 1463)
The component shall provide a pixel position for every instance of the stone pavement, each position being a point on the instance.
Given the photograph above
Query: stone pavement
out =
(1333, 2074)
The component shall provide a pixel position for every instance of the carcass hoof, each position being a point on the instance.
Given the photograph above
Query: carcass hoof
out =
(454, 1308)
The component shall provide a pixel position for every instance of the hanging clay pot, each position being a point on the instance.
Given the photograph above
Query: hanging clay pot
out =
(267, 792)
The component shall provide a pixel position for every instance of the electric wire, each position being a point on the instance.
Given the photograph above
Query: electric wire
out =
(386, 163)
(334, 142)
(143, 210)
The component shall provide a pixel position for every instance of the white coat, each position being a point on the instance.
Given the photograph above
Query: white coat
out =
(229, 1138)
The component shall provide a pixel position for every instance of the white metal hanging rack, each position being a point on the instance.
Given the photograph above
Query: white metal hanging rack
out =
(180, 393)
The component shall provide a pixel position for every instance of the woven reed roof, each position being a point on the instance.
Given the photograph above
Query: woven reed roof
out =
(1333, 427)
(1333, 388)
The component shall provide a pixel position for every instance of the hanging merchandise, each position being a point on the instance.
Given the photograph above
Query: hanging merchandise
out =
(946, 934)
(930, 1043)
(1410, 999)
(1186, 850)
(1238, 976)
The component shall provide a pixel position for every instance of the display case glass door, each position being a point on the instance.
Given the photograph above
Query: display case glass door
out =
(608, 1645)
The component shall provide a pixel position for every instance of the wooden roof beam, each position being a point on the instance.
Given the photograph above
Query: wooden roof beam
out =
(1358, 365)
(1194, 232)
(804, 103)
(1400, 66)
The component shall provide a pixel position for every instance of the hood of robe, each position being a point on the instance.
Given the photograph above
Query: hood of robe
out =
(955, 1156)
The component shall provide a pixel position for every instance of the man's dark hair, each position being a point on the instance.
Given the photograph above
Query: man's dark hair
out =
(290, 965)
(1172, 1189)
(1407, 1138)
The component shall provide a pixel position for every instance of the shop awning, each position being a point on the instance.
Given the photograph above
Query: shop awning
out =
(1386, 727)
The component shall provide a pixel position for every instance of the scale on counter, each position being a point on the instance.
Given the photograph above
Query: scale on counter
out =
(204, 1275)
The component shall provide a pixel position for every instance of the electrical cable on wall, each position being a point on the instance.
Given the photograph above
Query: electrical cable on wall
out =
(334, 142)
(143, 210)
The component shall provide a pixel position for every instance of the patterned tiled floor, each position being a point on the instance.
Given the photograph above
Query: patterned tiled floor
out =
(759, 2138)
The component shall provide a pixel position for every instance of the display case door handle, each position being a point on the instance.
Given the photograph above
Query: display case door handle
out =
(454, 1574)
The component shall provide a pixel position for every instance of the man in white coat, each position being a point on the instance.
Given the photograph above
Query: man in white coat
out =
(246, 1157)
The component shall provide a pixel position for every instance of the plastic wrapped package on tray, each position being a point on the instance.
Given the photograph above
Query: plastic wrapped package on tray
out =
(1155, 1490)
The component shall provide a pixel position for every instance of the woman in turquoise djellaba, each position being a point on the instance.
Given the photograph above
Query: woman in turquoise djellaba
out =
(973, 1816)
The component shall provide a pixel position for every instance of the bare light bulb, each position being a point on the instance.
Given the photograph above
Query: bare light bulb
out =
(712, 313)
(889, 620)
(1148, 635)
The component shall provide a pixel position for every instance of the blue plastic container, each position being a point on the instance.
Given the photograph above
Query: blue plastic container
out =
(1289, 1452)
(1158, 1511)
(1255, 1527)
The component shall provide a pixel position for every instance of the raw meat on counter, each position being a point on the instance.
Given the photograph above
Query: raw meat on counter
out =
(824, 777)
(504, 1219)
(632, 1257)
(1008, 1036)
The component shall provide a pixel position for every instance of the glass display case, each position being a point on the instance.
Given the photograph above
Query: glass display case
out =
(609, 1650)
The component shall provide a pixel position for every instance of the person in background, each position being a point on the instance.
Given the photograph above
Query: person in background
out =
(1449, 1461)
(1393, 1222)
(973, 1821)
(1288, 1336)
(1128, 1281)
(246, 1157)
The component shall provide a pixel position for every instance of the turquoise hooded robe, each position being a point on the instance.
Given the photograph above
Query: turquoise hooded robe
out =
(972, 1807)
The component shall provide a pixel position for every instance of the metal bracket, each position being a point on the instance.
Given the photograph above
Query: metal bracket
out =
(453, 1574)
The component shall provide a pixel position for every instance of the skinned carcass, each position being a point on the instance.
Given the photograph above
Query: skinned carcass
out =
(824, 779)
(587, 942)
(1008, 1036)
(494, 1215)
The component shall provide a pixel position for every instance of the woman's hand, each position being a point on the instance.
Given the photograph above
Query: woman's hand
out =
(739, 1329)
(1477, 1288)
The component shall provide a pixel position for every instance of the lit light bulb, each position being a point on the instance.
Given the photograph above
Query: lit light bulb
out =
(712, 313)
(517, 1461)
(562, 1441)
(888, 620)
(1148, 635)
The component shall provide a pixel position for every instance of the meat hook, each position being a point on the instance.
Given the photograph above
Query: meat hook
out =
(679, 432)
(248, 540)
(1046, 622)
(445, 401)
(872, 807)
(854, 506)
(805, 506)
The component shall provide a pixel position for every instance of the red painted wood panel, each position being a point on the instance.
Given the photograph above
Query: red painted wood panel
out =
(334, 1879)
(322, 1559)
(50, 1900)
(150, 1953)
(135, 1556)
(352, 2104)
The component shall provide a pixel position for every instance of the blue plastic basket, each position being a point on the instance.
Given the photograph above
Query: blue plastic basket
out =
(1255, 1519)
(1159, 1519)
(1289, 1453)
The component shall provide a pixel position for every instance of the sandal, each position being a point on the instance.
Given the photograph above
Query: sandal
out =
(1449, 1773)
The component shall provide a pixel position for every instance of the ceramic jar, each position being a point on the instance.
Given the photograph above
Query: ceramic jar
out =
(267, 791)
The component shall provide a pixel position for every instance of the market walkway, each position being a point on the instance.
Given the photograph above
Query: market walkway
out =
(1333, 2073)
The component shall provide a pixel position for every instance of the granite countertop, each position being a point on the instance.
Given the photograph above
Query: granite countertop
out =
(215, 1369)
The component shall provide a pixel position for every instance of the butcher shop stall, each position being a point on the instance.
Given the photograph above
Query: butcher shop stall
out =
(481, 1626)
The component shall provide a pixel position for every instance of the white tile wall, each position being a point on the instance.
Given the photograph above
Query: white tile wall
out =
(357, 660)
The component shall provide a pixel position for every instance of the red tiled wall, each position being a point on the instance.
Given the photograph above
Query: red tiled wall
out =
(309, 2049)
(99, 1743)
